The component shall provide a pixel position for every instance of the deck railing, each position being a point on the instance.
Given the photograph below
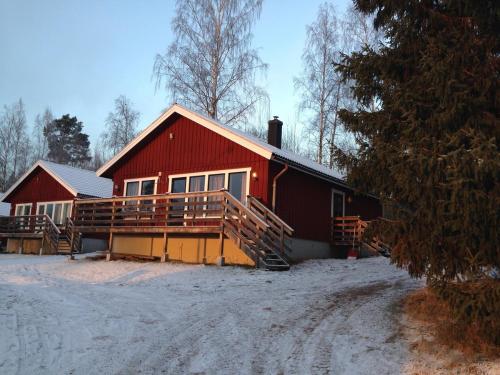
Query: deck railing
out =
(22, 224)
(32, 224)
(215, 211)
(349, 231)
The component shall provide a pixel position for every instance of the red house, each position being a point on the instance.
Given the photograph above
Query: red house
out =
(48, 189)
(184, 152)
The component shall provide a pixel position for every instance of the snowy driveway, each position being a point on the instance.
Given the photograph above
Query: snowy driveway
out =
(95, 317)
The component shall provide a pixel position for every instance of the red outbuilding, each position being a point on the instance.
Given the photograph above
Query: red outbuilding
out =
(42, 200)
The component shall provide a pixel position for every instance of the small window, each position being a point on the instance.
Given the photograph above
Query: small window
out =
(49, 210)
(179, 185)
(338, 204)
(66, 211)
(132, 189)
(41, 209)
(196, 183)
(57, 213)
(237, 185)
(215, 182)
(23, 209)
(139, 187)
(147, 187)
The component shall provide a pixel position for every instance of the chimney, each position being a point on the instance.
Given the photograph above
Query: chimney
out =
(274, 132)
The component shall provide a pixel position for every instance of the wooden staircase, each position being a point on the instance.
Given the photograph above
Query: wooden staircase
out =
(69, 240)
(257, 231)
(349, 231)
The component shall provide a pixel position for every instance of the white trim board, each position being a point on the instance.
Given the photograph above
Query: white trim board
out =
(225, 172)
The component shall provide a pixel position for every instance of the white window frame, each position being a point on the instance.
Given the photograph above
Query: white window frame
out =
(335, 191)
(39, 204)
(23, 205)
(225, 172)
(139, 180)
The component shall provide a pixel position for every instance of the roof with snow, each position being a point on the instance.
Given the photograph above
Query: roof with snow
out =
(246, 140)
(4, 207)
(77, 181)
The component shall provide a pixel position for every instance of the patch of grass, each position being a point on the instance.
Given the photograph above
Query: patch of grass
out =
(427, 308)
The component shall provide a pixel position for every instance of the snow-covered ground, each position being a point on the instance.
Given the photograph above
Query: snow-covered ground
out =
(95, 317)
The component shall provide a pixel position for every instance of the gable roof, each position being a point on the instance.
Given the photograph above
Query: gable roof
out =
(243, 139)
(75, 180)
(4, 207)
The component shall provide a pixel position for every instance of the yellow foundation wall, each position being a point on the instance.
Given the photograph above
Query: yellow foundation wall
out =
(182, 249)
(29, 245)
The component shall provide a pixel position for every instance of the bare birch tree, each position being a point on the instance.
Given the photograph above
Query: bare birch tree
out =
(358, 33)
(14, 144)
(319, 83)
(121, 125)
(39, 141)
(211, 66)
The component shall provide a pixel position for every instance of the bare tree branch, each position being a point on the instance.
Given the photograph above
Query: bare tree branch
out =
(211, 66)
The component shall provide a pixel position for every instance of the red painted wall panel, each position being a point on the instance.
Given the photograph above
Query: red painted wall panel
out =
(193, 148)
(304, 202)
(38, 187)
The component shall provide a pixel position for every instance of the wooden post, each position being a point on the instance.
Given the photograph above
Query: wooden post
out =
(113, 214)
(110, 247)
(43, 242)
(282, 239)
(164, 257)
(204, 261)
(220, 261)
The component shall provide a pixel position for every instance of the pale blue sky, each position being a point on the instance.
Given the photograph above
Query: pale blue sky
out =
(77, 56)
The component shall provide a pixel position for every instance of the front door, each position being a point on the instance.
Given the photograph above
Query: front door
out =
(338, 204)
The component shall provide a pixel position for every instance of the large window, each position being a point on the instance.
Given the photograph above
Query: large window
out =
(57, 211)
(235, 181)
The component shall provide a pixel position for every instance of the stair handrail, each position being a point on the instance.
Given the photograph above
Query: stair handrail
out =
(252, 201)
(245, 209)
(51, 232)
(279, 231)
(74, 237)
(253, 232)
(352, 229)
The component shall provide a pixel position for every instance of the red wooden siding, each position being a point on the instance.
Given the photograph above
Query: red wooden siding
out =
(304, 202)
(193, 148)
(38, 187)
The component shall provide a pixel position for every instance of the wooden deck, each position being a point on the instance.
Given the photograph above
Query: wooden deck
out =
(258, 232)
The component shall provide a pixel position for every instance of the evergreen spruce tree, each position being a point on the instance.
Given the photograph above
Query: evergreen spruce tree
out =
(67, 143)
(431, 151)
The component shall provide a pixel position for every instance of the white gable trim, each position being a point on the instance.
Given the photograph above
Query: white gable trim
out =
(40, 164)
(196, 117)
